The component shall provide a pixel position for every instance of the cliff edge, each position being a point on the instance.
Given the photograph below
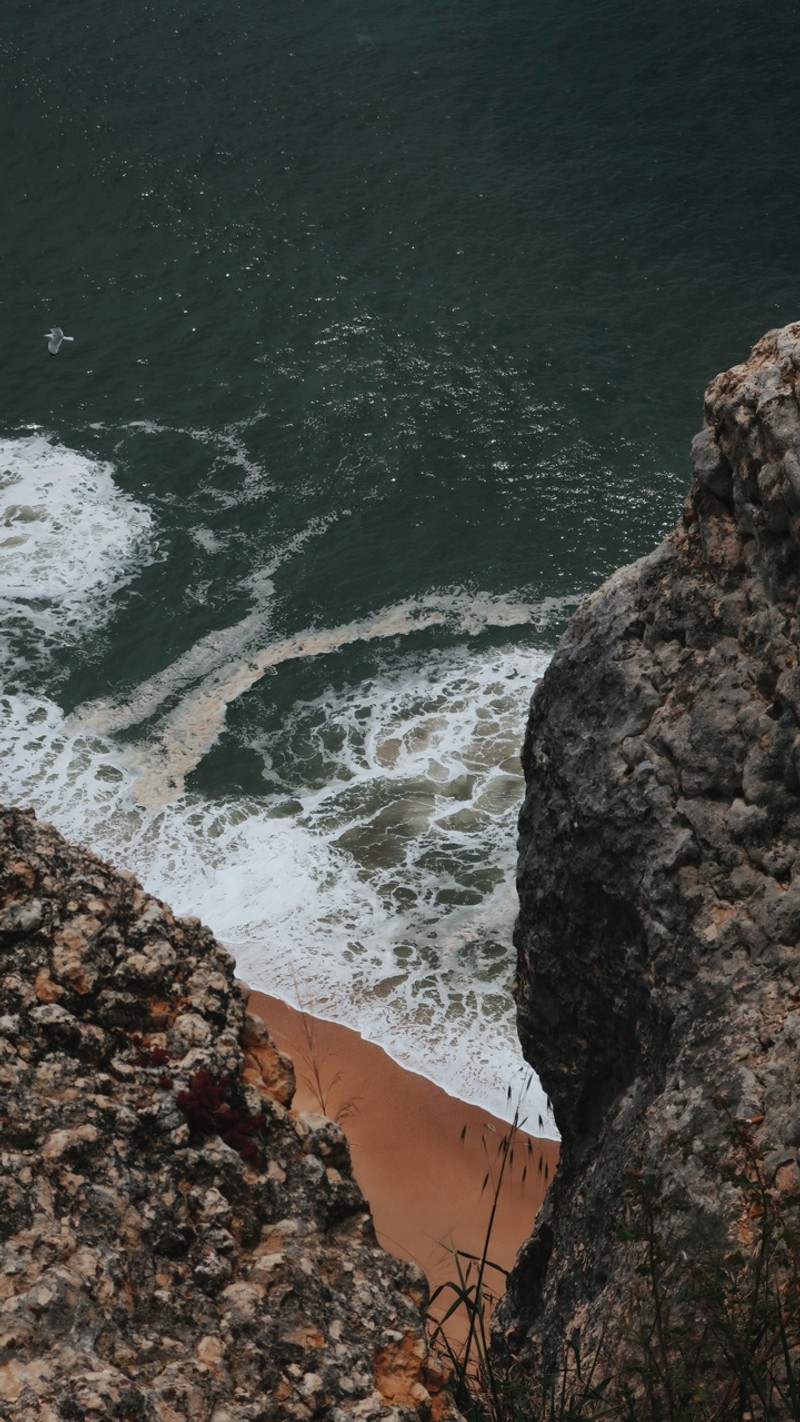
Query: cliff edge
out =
(174, 1242)
(658, 977)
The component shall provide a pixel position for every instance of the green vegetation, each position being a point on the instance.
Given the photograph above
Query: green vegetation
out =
(320, 1078)
(707, 1332)
(479, 1388)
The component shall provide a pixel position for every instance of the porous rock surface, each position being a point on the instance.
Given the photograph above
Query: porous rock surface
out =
(658, 979)
(174, 1243)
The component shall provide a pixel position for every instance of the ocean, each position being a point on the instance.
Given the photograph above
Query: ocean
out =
(390, 330)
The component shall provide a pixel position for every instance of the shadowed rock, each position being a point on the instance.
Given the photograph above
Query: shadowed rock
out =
(658, 978)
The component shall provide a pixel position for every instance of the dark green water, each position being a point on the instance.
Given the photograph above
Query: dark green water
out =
(390, 333)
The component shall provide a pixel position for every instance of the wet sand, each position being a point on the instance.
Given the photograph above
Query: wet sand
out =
(421, 1157)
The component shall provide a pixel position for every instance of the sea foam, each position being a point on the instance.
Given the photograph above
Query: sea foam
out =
(380, 896)
(370, 880)
(69, 537)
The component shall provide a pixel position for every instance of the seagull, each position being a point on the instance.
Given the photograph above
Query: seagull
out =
(54, 339)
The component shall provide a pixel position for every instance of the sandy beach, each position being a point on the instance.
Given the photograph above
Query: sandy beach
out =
(421, 1157)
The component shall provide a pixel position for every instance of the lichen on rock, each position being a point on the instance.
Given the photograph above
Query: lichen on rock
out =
(174, 1242)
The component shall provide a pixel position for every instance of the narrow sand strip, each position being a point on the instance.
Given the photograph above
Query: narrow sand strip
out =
(424, 1182)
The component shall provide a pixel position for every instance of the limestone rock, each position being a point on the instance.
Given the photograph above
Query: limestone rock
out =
(658, 979)
(174, 1244)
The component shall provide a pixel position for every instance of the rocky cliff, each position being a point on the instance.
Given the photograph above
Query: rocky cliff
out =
(658, 979)
(174, 1243)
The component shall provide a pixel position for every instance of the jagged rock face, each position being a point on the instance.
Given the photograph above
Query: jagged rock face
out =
(658, 981)
(174, 1244)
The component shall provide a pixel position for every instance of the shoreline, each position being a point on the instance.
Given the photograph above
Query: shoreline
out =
(426, 1161)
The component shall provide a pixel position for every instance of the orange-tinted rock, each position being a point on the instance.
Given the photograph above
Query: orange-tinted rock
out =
(173, 1243)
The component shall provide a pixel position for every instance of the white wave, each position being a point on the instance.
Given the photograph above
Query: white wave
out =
(223, 665)
(373, 877)
(69, 537)
(379, 893)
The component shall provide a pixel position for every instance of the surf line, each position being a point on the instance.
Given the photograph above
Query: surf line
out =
(224, 665)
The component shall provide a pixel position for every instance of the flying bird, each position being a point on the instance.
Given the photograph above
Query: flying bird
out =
(54, 339)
